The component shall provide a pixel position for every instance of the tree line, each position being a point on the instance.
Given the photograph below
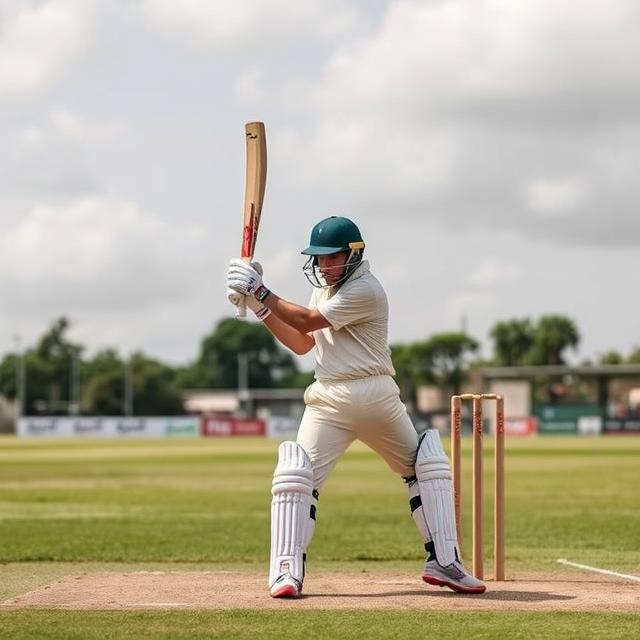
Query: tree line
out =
(445, 358)
(59, 377)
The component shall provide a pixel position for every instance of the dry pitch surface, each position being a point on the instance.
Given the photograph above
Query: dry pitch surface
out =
(229, 589)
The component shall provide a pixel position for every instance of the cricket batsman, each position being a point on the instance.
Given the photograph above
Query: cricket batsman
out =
(354, 396)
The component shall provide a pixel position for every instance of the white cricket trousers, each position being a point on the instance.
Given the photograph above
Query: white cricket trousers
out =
(367, 409)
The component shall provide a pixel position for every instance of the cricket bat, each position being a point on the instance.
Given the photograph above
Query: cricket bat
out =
(255, 181)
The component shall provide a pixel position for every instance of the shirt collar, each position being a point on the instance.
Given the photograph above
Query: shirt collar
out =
(360, 270)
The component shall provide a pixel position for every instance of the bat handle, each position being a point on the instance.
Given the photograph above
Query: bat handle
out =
(239, 302)
(241, 309)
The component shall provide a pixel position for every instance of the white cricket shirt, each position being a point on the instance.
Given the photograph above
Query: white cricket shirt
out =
(355, 345)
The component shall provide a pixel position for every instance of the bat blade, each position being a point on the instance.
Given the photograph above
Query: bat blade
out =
(254, 187)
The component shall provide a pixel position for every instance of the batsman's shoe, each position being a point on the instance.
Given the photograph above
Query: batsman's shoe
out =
(286, 587)
(453, 576)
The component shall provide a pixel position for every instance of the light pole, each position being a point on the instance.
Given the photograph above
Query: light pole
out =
(21, 378)
(74, 385)
(243, 383)
(464, 323)
(128, 388)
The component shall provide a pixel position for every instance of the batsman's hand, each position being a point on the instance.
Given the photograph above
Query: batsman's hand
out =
(244, 278)
(262, 312)
(235, 297)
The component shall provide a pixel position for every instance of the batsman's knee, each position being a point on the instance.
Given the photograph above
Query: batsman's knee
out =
(294, 471)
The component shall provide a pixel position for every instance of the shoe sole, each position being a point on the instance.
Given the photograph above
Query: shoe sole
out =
(437, 582)
(288, 591)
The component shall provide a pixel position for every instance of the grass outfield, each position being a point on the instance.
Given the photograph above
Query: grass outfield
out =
(240, 624)
(204, 504)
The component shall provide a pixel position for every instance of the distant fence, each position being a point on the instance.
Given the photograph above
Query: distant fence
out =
(622, 426)
(548, 421)
(561, 419)
(108, 427)
(226, 426)
(582, 419)
(155, 427)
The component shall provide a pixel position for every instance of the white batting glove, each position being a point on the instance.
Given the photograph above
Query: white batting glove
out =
(244, 278)
(261, 311)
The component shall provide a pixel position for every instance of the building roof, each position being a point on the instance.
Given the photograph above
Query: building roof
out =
(228, 400)
(601, 370)
(210, 401)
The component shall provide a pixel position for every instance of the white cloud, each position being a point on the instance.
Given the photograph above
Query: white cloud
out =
(31, 136)
(251, 87)
(39, 40)
(95, 252)
(470, 55)
(284, 263)
(460, 305)
(450, 107)
(444, 128)
(550, 198)
(72, 127)
(83, 130)
(494, 270)
(247, 24)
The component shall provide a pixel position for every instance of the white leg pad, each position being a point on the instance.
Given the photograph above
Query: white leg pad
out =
(291, 514)
(432, 501)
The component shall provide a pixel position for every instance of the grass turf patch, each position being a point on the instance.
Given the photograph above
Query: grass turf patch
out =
(208, 501)
(302, 625)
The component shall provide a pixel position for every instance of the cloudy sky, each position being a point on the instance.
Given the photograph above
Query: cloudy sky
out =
(488, 149)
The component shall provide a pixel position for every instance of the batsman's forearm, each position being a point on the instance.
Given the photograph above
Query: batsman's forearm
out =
(290, 313)
(290, 337)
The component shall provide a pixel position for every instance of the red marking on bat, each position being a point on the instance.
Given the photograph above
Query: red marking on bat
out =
(247, 241)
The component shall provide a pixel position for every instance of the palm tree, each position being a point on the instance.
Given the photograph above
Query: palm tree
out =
(611, 357)
(553, 335)
(512, 340)
(634, 356)
(446, 355)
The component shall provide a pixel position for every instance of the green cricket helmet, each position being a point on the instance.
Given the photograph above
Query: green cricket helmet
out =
(333, 235)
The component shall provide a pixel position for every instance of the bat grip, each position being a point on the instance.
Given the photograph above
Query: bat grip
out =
(241, 309)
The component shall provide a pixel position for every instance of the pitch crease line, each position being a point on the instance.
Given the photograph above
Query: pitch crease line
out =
(586, 567)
